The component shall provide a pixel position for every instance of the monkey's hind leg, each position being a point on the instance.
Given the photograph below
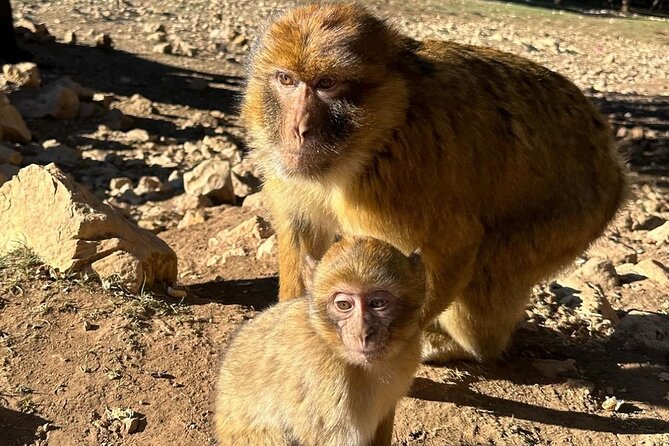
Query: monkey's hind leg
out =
(477, 325)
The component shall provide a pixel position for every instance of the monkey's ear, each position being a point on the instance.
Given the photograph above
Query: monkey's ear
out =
(308, 269)
(416, 257)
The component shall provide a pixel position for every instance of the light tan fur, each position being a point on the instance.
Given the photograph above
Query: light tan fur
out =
(499, 169)
(286, 379)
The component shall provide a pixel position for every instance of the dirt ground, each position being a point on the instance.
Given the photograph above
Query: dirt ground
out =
(78, 359)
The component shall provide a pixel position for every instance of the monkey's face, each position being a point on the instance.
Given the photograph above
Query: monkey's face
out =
(366, 298)
(316, 116)
(321, 90)
(364, 321)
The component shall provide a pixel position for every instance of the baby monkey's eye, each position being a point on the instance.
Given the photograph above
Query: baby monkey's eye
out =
(378, 303)
(343, 305)
(325, 83)
(285, 79)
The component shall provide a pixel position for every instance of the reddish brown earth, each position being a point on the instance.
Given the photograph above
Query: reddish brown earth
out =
(72, 352)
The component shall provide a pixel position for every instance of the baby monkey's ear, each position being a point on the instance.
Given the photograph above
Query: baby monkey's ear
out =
(308, 269)
(416, 258)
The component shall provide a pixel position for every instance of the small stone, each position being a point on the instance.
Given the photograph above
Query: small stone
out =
(140, 135)
(176, 293)
(664, 376)
(254, 201)
(610, 58)
(654, 270)
(58, 101)
(211, 178)
(130, 425)
(643, 329)
(660, 234)
(158, 37)
(648, 223)
(163, 48)
(612, 403)
(118, 184)
(148, 184)
(192, 217)
(33, 30)
(104, 41)
(88, 326)
(10, 156)
(12, 125)
(553, 368)
(70, 38)
(266, 248)
(600, 272)
(25, 74)
(636, 132)
(154, 28)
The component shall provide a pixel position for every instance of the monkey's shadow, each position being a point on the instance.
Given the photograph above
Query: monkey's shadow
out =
(632, 373)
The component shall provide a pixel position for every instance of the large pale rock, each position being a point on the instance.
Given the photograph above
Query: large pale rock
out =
(211, 178)
(58, 101)
(71, 230)
(11, 123)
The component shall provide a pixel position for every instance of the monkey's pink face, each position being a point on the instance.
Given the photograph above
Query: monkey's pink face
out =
(364, 323)
(317, 117)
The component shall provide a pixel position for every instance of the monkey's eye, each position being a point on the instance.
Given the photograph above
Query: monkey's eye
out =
(325, 83)
(378, 303)
(285, 79)
(343, 302)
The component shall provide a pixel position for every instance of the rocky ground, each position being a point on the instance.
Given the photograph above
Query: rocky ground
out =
(137, 99)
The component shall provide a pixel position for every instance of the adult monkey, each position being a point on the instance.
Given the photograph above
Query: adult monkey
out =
(500, 170)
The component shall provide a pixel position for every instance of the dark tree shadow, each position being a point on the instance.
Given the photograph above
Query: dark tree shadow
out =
(599, 8)
(18, 428)
(123, 73)
(648, 157)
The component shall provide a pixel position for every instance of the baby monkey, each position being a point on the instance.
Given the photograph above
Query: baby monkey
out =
(327, 369)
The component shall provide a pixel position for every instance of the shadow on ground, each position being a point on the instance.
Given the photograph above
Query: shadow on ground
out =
(610, 362)
(17, 428)
(599, 8)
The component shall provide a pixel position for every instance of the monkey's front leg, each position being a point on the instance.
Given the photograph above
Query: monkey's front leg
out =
(296, 240)
(384, 433)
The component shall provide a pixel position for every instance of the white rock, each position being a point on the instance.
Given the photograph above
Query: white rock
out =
(24, 74)
(79, 233)
(211, 178)
(267, 247)
(660, 234)
(654, 270)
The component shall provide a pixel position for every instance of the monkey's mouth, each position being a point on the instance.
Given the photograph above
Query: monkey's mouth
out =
(304, 161)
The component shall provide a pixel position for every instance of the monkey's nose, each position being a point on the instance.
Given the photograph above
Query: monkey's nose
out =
(300, 130)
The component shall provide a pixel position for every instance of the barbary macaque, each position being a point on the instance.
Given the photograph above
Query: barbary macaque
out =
(500, 170)
(327, 368)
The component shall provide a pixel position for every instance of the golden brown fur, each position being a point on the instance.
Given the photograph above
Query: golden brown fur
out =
(287, 377)
(500, 170)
